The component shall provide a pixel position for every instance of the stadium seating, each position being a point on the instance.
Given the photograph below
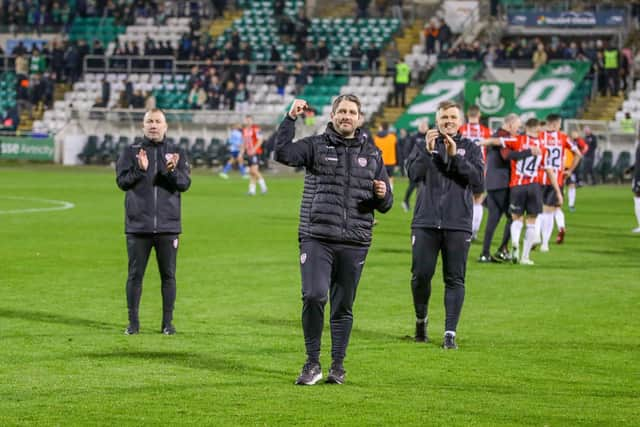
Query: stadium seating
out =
(145, 28)
(95, 28)
(7, 91)
(622, 163)
(604, 167)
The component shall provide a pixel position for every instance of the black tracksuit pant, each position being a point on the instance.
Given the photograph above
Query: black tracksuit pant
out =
(454, 246)
(498, 205)
(334, 269)
(139, 248)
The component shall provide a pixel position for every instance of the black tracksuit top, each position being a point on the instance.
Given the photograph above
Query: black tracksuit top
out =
(152, 200)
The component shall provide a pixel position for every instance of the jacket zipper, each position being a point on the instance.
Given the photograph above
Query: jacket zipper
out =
(155, 190)
(346, 192)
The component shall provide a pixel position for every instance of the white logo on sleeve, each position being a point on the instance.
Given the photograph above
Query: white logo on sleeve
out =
(413, 239)
(303, 258)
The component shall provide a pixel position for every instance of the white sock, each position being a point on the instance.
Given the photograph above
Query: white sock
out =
(539, 228)
(636, 202)
(418, 320)
(477, 218)
(263, 185)
(516, 229)
(529, 238)
(572, 196)
(559, 218)
(450, 333)
(252, 188)
(547, 227)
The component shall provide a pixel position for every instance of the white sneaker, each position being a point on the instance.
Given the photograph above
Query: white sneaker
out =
(223, 175)
(526, 261)
(636, 230)
(544, 248)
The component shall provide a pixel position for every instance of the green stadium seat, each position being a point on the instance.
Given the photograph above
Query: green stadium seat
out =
(622, 163)
(604, 166)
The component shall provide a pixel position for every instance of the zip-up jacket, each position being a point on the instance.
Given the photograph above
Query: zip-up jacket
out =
(338, 200)
(445, 200)
(152, 199)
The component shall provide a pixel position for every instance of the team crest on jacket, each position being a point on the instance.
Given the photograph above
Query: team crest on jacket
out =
(303, 258)
(362, 161)
(461, 151)
(175, 243)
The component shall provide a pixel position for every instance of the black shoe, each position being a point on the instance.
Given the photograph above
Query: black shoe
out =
(421, 332)
(502, 256)
(132, 329)
(336, 374)
(449, 342)
(485, 259)
(168, 329)
(311, 374)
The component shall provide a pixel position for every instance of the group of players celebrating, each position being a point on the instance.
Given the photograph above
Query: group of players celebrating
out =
(525, 175)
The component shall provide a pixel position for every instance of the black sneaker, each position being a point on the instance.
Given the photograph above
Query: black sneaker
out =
(449, 342)
(421, 332)
(485, 259)
(311, 374)
(132, 329)
(336, 374)
(502, 256)
(168, 329)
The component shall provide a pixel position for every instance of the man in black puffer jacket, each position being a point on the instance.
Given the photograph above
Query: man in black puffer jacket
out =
(345, 182)
(448, 167)
(153, 174)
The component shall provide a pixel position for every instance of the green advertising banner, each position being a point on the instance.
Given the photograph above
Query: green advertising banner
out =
(446, 83)
(494, 99)
(27, 148)
(550, 87)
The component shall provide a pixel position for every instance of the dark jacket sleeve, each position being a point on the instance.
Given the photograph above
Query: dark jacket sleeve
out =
(289, 153)
(518, 155)
(384, 204)
(128, 173)
(418, 163)
(180, 178)
(468, 169)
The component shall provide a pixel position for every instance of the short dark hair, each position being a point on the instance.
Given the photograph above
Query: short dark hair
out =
(385, 125)
(346, 97)
(554, 118)
(473, 111)
(445, 105)
(531, 123)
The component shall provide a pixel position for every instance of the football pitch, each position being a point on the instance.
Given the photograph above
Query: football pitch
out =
(555, 344)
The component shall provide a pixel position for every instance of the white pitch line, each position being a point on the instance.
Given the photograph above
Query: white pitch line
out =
(61, 205)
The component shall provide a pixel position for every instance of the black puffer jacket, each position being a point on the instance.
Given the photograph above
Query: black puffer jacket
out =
(445, 200)
(338, 200)
(152, 201)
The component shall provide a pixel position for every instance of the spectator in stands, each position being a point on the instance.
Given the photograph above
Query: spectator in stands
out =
(230, 95)
(612, 68)
(21, 66)
(149, 101)
(72, 62)
(213, 93)
(242, 98)
(539, 56)
(280, 80)
(363, 8)
(301, 77)
(301, 28)
(308, 53)
(628, 125)
(278, 9)
(444, 35)
(401, 81)
(138, 99)
(600, 73)
(373, 54)
(396, 10)
(625, 65)
(197, 97)
(356, 56)
(590, 156)
(57, 61)
(274, 55)
(37, 64)
(391, 56)
(323, 54)
(431, 33)
(106, 91)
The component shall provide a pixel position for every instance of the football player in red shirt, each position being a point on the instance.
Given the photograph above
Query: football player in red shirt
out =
(252, 147)
(476, 132)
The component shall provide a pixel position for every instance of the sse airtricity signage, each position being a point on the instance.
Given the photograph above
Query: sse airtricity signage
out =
(537, 18)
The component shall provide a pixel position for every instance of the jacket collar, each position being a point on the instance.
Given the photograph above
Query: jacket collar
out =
(335, 138)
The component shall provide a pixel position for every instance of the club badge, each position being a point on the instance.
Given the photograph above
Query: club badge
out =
(362, 161)
(303, 258)
(461, 151)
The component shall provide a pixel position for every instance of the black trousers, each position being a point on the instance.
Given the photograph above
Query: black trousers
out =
(454, 245)
(498, 205)
(333, 269)
(139, 248)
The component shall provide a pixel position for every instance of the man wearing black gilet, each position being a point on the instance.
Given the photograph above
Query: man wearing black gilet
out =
(345, 181)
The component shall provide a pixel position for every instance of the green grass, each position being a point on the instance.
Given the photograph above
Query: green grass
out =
(554, 344)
